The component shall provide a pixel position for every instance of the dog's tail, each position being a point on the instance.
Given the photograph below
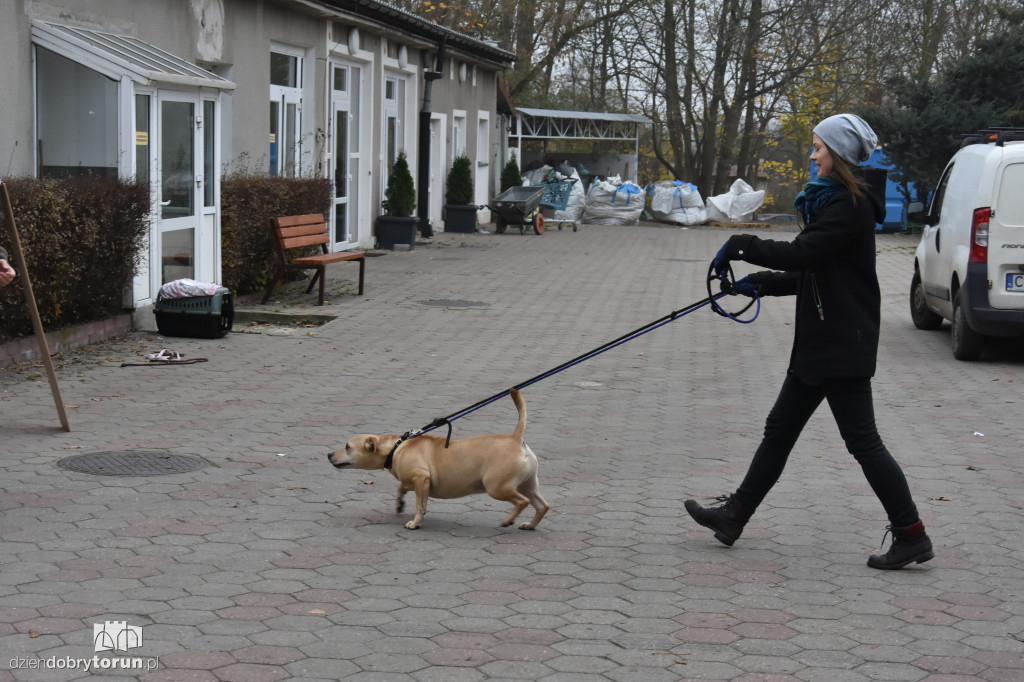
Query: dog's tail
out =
(517, 398)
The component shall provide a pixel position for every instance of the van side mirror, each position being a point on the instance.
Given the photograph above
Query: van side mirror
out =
(916, 214)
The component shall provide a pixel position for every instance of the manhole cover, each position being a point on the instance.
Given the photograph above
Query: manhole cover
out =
(442, 303)
(138, 463)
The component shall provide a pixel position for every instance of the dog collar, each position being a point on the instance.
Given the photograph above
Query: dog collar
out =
(390, 459)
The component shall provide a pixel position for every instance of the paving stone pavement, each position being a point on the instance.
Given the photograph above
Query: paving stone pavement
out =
(268, 564)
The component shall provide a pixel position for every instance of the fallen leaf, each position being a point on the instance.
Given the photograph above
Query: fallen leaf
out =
(941, 499)
(33, 634)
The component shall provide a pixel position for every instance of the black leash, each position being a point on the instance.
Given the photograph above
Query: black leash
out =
(712, 300)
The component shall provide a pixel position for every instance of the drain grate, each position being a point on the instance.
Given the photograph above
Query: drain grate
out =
(131, 463)
(443, 303)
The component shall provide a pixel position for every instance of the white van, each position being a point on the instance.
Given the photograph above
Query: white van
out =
(969, 266)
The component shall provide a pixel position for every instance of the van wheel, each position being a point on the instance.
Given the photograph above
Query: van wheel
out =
(922, 316)
(967, 343)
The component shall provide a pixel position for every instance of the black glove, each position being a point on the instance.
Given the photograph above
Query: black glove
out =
(721, 263)
(747, 287)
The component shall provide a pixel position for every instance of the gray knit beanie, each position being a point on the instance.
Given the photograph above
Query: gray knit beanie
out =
(849, 136)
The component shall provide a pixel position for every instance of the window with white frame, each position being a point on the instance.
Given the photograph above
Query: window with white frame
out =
(286, 74)
(458, 134)
(77, 116)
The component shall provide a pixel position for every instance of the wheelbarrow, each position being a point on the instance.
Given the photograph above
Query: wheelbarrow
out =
(556, 197)
(518, 206)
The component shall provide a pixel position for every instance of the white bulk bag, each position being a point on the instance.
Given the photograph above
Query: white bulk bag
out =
(677, 202)
(738, 205)
(613, 203)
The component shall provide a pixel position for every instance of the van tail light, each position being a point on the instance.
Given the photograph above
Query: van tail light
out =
(979, 235)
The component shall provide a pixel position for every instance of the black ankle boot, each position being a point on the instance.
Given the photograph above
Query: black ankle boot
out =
(727, 520)
(909, 544)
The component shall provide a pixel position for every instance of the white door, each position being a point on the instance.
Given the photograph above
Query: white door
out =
(346, 148)
(394, 128)
(438, 154)
(482, 176)
(179, 168)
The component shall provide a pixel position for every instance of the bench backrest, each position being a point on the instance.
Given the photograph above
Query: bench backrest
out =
(297, 231)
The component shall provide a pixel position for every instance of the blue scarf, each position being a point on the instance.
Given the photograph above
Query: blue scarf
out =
(814, 196)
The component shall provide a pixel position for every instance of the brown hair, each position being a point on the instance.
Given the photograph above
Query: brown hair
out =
(843, 171)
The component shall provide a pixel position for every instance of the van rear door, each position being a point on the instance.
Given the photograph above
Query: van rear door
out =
(1006, 236)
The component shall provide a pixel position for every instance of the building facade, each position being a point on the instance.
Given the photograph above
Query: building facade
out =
(178, 93)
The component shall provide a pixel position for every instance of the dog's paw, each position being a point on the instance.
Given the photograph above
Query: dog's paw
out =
(412, 525)
(526, 526)
(399, 506)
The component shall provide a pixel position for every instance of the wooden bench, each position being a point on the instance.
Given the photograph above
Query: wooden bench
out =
(299, 231)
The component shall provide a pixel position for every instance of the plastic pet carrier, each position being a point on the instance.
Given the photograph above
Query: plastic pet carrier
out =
(201, 317)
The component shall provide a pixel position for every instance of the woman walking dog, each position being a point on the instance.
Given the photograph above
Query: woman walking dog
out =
(830, 267)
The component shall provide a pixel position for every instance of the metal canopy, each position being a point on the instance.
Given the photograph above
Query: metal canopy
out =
(550, 124)
(116, 56)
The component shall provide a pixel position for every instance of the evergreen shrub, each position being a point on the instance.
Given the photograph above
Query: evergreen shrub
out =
(400, 195)
(459, 191)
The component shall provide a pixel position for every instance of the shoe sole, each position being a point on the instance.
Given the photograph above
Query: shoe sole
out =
(920, 559)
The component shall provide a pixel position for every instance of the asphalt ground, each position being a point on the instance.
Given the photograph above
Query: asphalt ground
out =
(268, 564)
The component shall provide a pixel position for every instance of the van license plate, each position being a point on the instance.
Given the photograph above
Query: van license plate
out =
(1015, 281)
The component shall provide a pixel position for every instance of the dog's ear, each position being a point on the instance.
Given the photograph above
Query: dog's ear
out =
(370, 445)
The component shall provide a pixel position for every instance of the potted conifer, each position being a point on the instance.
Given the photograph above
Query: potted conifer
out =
(398, 225)
(511, 175)
(459, 210)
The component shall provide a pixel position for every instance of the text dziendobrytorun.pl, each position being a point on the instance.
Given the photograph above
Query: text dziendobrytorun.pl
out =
(87, 664)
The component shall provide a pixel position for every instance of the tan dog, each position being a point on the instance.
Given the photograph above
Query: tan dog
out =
(503, 466)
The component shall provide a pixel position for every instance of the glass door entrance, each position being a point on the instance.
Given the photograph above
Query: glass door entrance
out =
(346, 150)
(180, 184)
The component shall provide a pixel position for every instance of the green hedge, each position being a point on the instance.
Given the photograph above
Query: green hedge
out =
(80, 239)
(249, 203)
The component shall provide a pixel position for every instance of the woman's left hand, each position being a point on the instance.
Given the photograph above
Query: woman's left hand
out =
(721, 263)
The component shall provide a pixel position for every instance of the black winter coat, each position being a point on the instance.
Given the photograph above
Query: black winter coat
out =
(830, 267)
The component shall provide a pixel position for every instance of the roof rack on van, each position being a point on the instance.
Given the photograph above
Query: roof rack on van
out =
(997, 135)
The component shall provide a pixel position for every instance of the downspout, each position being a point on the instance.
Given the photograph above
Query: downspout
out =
(423, 155)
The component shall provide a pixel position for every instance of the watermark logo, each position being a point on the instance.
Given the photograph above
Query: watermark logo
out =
(116, 636)
(111, 636)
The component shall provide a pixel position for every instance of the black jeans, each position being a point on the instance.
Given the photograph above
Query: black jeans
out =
(851, 405)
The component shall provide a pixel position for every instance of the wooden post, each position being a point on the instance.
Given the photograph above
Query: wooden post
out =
(30, 299)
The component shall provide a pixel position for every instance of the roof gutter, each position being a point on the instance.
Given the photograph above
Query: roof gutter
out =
(389, 18)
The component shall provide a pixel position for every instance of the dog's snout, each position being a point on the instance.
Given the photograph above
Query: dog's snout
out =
(335, 463)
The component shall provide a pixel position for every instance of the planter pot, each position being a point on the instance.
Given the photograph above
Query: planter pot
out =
(459, 218)
(395, 229)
